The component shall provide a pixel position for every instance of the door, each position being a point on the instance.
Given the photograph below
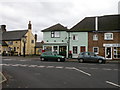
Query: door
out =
(108, 52)
(82, 49)
(62, 50)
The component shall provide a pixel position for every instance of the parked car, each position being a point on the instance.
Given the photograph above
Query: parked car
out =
(90, 57)
(51, 56)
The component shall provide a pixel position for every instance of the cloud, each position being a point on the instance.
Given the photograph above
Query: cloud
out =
(44, 13)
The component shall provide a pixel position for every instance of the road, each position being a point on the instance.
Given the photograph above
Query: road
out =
(28, 73)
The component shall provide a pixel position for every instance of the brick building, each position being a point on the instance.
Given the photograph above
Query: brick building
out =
(105, 39)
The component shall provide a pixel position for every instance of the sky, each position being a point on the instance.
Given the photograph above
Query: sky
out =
(16, 14)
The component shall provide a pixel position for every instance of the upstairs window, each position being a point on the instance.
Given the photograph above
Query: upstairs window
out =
(95, 37)
(10, 42)
(75, 37)
(55, 34)
(108, 36)
(32, 41)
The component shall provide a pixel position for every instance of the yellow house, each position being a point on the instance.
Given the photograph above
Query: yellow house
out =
(19, 41)
(38, 48)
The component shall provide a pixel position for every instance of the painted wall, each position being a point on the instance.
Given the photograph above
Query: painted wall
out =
(82, 41)
(47, 36)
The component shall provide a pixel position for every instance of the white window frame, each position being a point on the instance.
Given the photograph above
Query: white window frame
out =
(97, 50)
(95, 37)
(105, 38)
(76, 37)
(73, 50)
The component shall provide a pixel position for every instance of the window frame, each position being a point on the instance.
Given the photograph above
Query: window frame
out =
(76, 50)
(95, 37)
(97, 50)
(108, 38)
(76, 37)
(55, 34)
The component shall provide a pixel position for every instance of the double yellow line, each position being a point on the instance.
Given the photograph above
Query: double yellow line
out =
(3, 78)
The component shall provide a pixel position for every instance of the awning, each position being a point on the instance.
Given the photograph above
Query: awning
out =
(59, 44)
(111, 45)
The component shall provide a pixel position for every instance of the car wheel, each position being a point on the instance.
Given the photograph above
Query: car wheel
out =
(42, 59)
(100, 61)
(58, 60)
(81, 60)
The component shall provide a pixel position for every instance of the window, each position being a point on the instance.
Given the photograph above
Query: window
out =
(116, 52)
(75, 37)
(108, 36)
(96, 50)
(55, 34)
(95, 37)
(74, 49)
(32, 41)
(14, 48)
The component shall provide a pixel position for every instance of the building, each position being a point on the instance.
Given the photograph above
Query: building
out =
(38, 48)
(55, 39)
(105, 40)
(19, 42)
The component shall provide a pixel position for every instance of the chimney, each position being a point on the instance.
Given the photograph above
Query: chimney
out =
(3, 28)
(35, 37)
(96, 23)
(29, 25)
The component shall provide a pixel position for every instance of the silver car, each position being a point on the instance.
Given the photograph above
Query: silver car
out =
(90, 57)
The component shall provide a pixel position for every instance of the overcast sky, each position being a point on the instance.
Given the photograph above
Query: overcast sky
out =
(44, 13)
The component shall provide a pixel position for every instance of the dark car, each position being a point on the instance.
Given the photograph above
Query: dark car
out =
(90, 57)
(52, 56)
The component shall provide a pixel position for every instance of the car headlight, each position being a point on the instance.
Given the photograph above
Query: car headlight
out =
(62, 57)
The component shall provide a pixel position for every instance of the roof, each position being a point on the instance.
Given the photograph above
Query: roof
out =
(109, 23)
(57, 27)
(87, 24)
(39, 45)
(13, 35)
(105, 23)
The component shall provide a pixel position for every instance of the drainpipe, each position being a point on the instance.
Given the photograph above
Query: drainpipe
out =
(96, 23)
(68, 43)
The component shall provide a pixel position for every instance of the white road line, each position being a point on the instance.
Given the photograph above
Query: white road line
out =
(69, 67)
(112, 83)
(106, 69)
(82, 71)
(7, 59)
(59, 67)
(41, 66)
(50, 67)
(33, 66)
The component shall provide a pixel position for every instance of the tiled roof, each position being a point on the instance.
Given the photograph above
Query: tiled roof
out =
(105, 23)
(57, 27)
(109, 22)
(13, 35)
(87, 24)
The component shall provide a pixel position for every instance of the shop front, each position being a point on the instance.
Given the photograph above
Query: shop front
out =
(112, 51)
(59, 48)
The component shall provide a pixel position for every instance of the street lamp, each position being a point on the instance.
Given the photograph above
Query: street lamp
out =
(24, 42)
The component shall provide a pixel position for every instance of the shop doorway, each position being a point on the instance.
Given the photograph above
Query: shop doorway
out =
(108, 52)
(62, 50)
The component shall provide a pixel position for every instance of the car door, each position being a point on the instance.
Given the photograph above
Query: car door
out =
(86, 56)
(93, 57)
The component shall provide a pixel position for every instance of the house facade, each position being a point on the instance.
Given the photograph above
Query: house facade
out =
(18, 41)
(55, 39)
(105, 41)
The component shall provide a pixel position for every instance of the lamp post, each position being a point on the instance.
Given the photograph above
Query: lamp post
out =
(24, 42)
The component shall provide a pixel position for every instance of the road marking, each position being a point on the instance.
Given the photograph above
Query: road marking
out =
(41, 66)
(106, 69)
(69, 67)
(112, 83)
(58, 67)
(7, 59)
(82, 71)
(50, 67)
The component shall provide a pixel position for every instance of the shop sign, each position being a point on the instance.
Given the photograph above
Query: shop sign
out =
(111, 45)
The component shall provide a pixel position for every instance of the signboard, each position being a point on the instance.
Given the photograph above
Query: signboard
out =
(111, 45)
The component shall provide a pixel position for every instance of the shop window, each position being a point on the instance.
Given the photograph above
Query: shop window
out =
(116, 52)
(95, 37)
(75, 50)
(75, 37)
(48, 48)
(108, 36)
(96, 50)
